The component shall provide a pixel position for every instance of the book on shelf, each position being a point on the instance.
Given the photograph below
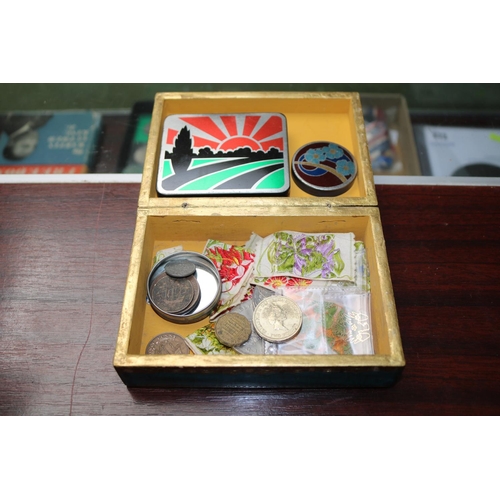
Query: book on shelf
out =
(48, 142)
(133, 151)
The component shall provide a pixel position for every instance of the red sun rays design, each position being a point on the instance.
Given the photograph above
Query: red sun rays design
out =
(228, 137)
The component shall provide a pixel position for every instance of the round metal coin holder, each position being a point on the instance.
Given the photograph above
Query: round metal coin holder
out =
(324, 168)
(208, 283)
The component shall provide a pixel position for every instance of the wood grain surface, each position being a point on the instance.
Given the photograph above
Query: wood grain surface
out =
(63, 264)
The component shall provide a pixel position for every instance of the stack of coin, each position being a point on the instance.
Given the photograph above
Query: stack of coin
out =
(175, 295)
(184, 287)
(277, 319)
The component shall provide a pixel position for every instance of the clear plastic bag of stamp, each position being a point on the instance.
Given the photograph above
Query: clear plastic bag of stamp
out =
(335, 322)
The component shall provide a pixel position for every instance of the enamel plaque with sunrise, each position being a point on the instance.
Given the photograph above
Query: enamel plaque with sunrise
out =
(230, 154)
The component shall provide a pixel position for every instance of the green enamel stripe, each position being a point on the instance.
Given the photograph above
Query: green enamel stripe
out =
(199, 162)
(209, 181)
(495, 137)
(272, 181)
(167, 169)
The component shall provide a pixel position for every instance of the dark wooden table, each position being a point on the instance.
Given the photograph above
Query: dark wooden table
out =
(63, 264)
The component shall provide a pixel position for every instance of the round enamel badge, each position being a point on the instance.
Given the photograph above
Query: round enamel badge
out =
(324, 168)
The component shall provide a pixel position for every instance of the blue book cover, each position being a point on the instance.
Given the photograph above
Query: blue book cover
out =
(48, 139)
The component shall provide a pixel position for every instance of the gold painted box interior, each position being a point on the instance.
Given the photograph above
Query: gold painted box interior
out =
(190, 222)
(335, 117)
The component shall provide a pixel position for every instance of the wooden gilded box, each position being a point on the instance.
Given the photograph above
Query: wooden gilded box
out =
(189, 221)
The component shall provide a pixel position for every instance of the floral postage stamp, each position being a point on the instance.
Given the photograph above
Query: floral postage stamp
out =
(327, 256)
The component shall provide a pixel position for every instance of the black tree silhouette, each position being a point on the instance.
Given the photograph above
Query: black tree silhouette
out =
(183, 143)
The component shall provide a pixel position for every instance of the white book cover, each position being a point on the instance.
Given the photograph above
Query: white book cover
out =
(459, 151)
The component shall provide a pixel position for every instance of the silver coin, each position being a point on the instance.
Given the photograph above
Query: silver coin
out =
(277, 319)
(167, 343)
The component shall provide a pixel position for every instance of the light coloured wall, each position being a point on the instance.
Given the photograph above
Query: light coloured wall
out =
(37, 96)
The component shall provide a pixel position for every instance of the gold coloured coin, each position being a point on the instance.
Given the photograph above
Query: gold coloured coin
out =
(277, 319)
(232, 329)
(167, 343)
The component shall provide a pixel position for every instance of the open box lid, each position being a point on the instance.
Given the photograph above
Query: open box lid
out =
(330, 117)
